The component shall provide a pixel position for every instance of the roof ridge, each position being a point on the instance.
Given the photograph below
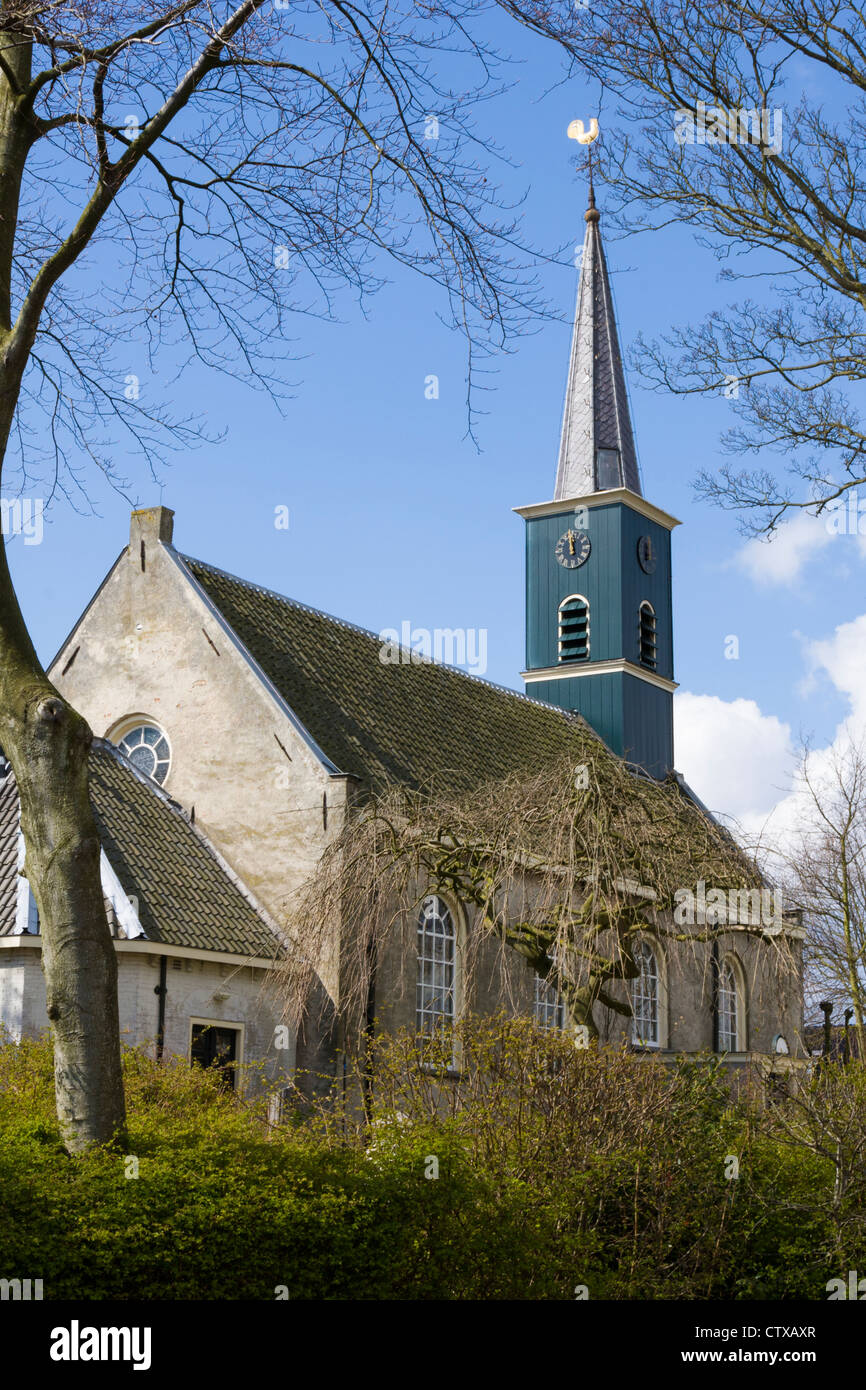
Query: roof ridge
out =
(104, 745)
(570, 716)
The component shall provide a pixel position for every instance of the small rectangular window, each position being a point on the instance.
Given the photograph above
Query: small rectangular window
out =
(607, 469)
(215, 1046)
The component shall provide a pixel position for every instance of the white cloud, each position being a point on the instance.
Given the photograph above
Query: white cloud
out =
(842, 658)
(742, 762)
(781, 559)
(738, 760)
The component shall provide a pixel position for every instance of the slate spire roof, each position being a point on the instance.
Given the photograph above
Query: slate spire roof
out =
(596, 450)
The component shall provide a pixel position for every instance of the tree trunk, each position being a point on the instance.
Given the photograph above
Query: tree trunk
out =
(47, 744)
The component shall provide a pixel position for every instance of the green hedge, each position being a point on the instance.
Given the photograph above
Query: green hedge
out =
(604, 1173)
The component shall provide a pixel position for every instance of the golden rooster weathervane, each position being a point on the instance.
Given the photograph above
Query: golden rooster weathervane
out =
(585, 137)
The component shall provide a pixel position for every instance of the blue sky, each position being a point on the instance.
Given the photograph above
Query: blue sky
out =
(395, 516)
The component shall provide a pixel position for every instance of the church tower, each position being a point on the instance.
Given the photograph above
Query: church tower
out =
(598, 557)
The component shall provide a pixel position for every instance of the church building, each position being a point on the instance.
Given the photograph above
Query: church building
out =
(235, 730)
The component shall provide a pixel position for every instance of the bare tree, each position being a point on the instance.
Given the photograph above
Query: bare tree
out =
(825, 1117)
(826, 871)
(710, 119)
(567, 867)
(187, 175)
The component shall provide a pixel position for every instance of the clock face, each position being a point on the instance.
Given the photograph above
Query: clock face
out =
(646, 555)
(573, 549)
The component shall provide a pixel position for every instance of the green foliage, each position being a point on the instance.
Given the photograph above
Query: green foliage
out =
(539, 1168)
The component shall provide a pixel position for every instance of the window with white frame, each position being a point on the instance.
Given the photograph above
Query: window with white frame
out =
(728, 1009)
(548, 1010)
(574, 628)
(437, 963)
(148, 749)
(216, 1045)
(645, 992)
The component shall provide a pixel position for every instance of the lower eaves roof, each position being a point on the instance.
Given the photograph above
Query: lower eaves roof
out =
(186, 894)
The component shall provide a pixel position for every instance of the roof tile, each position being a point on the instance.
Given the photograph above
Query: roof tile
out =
(186, 895)
(383, 721)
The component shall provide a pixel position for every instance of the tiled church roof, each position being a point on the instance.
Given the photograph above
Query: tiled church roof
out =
(186, 895)
(385, 722)
(415, 724)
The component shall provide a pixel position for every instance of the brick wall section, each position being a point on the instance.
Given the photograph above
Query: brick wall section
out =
(191, 990)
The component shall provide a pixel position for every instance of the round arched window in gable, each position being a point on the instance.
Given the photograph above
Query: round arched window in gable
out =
(148, 749)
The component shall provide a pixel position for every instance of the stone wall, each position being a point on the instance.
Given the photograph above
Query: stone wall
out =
(498, 978)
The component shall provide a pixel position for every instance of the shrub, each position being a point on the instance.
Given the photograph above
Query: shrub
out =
(538, 1170)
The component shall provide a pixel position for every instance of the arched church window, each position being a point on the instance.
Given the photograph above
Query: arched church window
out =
(574, 628)
(647, 636)
(645, 997)
(437, 961)
(148, 749)
(730, 1009)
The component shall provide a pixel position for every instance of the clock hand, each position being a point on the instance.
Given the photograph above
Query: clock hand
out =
(571, 542)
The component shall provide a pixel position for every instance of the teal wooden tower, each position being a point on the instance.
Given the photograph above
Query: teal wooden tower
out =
(598, 557)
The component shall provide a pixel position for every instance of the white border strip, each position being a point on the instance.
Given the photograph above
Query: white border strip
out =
(125, 907)
(601, 499)
(26, 915)
(597, 668)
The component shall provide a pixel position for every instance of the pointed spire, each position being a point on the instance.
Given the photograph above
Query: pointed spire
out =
(596, 450)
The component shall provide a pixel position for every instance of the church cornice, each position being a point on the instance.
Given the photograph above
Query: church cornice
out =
(599, 668)
(623, 495)
(139, 946)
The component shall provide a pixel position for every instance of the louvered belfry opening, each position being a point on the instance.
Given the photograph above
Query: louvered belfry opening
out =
(574, 629)
(648, 636)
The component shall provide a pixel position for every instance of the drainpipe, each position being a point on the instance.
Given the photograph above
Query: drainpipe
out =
(370, 1031)
(161, 990)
